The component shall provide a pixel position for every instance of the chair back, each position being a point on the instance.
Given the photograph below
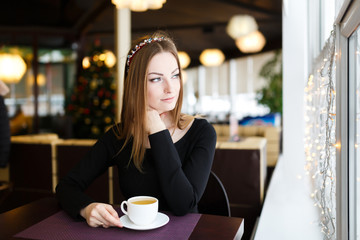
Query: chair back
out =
(214, 200)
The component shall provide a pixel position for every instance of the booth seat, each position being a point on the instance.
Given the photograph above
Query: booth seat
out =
(241, 166)
(270, 133)
(37, 163)
(31, 169)
(27, 148)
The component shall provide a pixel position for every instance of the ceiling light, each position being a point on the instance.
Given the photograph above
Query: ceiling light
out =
(139, 5)
(184, 59)
(251, 43)
(12, 67)
(156, 4)
(241, 25)
(212, 57)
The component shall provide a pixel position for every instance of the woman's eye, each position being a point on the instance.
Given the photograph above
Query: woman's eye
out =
(155, 79)
(176, 76)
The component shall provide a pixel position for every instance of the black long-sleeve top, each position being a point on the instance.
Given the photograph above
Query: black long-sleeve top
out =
(175, 173)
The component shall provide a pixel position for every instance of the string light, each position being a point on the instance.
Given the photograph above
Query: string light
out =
(320, 143)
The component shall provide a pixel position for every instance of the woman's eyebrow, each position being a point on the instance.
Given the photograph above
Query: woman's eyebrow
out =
(160, 74)
(176, 69)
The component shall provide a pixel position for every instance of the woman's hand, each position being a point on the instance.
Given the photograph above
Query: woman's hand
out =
(154, 121)
(101, 214)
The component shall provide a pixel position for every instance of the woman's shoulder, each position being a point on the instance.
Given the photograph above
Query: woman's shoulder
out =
(202, 126)
(203, 122)
(112, 135)
(200, 132)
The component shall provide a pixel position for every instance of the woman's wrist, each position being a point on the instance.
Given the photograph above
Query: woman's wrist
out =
(82, 212)
(157, 128)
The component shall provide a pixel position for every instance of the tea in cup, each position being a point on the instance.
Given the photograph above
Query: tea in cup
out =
(141, 210)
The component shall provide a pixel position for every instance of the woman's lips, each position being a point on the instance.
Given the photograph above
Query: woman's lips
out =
(168, 100)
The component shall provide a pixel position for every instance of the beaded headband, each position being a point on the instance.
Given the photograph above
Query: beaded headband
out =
(139, 46)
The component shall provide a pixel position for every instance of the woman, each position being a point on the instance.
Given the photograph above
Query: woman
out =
(158, 151)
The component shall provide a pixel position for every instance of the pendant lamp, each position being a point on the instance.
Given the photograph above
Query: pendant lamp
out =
(251, 43)
(212, 57)
(139, 5)
(12, 67)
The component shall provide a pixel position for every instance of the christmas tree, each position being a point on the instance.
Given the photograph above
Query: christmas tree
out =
(92, 102)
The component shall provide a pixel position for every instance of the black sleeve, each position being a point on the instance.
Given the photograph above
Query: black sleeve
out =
(183, 185)
(70, 189)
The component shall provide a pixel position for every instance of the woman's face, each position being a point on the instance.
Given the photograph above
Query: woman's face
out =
(163, 82)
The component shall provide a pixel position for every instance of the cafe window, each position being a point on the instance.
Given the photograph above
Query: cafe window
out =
(55, 75)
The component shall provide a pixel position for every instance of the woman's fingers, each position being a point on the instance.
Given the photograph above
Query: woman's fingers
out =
(95, 220)
(111, 216)
(106, 215)
(103, 215)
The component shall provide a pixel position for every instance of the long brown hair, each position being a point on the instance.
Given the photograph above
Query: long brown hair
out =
(133, 114)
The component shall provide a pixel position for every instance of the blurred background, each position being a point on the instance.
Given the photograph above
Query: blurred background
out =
(68, 48)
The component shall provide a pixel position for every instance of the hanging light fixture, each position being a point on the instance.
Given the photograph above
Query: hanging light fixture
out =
(12, 67)
(184, 59)
(139, 5)
(251, 43)
(212, 57)
(156, 4)
(241, 25)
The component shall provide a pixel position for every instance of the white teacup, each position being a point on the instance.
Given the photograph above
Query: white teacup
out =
(141, 210)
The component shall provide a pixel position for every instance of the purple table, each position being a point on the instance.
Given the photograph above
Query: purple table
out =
(45, 220)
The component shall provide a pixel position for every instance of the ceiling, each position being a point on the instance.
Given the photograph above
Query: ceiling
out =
(194, 24)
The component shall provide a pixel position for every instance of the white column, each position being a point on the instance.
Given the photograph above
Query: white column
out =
(122, 46)
(295, 75)
(288, 211)
(215, 81)
(232, 85)
(189, 93)
(250, 74)
(201, 89)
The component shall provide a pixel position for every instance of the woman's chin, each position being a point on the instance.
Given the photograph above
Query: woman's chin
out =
(165, 110)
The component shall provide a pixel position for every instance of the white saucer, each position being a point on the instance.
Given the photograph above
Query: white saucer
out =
(161, 220)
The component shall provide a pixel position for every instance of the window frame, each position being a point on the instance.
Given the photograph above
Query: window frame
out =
(347, 22)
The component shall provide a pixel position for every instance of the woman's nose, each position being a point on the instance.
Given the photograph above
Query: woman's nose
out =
(168, 86)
